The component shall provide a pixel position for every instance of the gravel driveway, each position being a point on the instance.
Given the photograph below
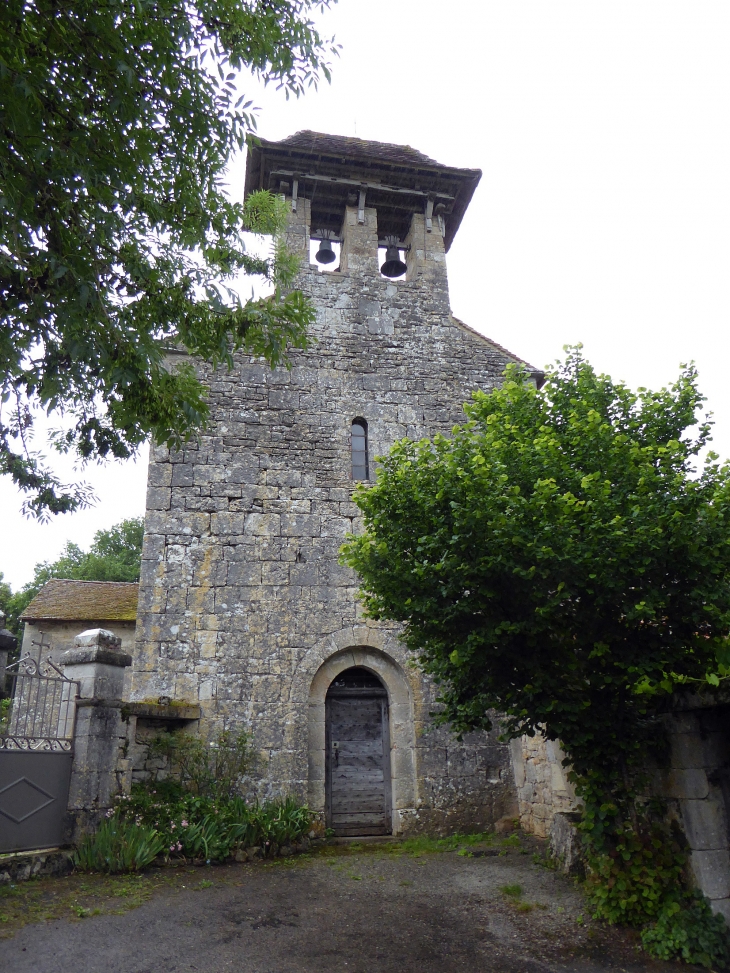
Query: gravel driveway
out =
(367, 910)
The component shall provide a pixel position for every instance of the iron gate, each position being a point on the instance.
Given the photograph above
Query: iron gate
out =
(36, 754)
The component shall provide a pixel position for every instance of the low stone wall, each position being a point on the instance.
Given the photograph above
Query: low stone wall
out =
(696, 785)
(34, 864)
(60, 636)
(543, 789)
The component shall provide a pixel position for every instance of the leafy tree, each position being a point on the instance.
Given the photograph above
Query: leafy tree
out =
(6, 593)
(559, 560)
(117, 239)
(115, 555)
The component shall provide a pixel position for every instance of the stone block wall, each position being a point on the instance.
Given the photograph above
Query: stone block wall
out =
(698, 782)
(543, 789)
(240, 576)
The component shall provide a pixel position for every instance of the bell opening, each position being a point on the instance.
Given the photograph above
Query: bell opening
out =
(325, 254)
(391, 262)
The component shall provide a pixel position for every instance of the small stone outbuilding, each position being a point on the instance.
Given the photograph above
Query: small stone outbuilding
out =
(63, 608)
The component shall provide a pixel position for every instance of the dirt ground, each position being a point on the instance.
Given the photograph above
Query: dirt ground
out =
(343, 909)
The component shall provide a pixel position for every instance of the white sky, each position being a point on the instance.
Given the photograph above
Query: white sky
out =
(603, 215)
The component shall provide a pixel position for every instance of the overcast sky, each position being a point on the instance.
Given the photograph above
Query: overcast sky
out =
(602, 217)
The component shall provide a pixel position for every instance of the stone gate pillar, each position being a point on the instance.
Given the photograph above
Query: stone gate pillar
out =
(100, 767)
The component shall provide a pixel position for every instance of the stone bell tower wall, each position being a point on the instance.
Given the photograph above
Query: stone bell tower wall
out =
(242, 600)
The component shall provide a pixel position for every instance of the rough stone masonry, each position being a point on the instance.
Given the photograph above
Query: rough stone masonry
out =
(243, 605)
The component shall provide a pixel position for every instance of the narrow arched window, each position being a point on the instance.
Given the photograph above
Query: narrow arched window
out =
(359, 449)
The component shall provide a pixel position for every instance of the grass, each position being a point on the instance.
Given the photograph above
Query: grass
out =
(514, 893)
(465, 845)
(455, 842)
(74, 897)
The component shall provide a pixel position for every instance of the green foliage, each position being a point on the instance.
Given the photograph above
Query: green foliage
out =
(195, 813)
(6, 594)
(689, 931)
(119, 845)
(636, 871)
(214, 770)
(559, 561)
(115, 555)
(197, 809)
(117, 238)
(552, 555)
(200, 828)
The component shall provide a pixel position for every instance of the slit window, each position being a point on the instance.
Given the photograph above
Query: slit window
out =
(359, 449)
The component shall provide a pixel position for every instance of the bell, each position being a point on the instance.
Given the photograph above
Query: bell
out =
(393, 266)
(325, 254)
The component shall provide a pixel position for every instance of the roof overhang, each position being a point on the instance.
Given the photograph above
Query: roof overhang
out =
(331, 171)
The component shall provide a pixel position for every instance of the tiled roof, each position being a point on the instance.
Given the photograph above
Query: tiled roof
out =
(84, 601)
(354, 148)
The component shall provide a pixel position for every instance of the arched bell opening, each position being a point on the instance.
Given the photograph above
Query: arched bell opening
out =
(357, 754)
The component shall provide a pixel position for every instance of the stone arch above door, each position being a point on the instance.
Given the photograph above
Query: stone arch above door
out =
(380, 655)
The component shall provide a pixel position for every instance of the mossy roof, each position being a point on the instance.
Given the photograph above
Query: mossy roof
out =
(65, 600)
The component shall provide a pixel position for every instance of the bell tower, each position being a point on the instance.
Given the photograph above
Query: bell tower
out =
(245, 609)
(367, 196)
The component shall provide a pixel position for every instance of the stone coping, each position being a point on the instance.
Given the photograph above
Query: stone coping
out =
(82, 655)
(162, 711)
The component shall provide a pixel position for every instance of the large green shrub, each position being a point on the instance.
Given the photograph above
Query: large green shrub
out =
(560, 560)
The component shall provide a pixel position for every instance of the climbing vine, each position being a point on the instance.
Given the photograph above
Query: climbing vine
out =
(560, 560)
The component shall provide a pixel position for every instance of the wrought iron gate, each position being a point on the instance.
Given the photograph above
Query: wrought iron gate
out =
(36, 754)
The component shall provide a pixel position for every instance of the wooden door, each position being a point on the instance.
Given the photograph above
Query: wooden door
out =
(358, 762)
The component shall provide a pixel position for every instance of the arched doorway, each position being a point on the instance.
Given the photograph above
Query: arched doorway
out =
(357, 754)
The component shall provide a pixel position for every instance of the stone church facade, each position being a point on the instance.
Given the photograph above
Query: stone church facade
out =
(243, 606)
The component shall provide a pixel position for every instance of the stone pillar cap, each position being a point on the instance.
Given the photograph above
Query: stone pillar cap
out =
(98, 636)
(96, 645)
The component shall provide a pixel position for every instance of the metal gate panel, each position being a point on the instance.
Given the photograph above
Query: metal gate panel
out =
(33, 799)
(36, 755)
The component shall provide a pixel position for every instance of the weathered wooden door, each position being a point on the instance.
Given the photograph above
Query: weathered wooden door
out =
(358, 755)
